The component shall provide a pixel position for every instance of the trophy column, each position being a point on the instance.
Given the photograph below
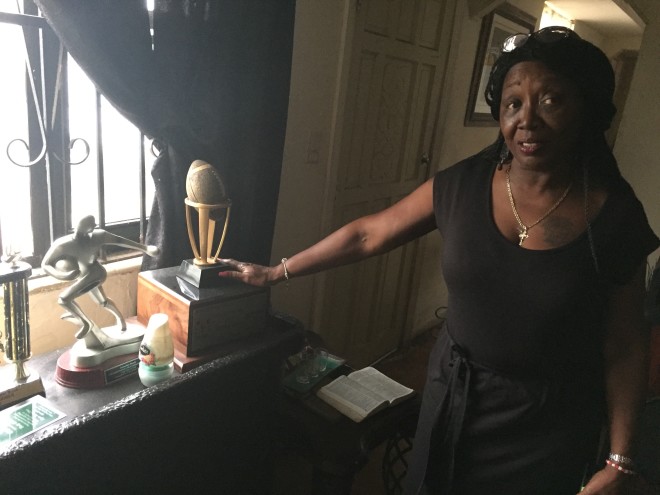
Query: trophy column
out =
(202, 271)
(16, 335)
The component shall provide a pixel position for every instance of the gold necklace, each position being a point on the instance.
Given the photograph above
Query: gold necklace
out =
(523, 229)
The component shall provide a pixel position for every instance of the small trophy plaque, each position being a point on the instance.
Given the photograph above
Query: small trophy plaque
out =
(207, 196)
(17, 382)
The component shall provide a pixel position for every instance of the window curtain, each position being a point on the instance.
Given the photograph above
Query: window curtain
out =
(215, 87)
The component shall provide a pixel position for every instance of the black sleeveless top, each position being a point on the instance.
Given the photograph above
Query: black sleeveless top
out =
(530, 312)
(514, 398)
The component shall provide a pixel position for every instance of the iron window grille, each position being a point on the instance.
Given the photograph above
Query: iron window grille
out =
(64, 175)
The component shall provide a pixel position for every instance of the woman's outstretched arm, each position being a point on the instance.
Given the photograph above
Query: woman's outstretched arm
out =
(367, 236)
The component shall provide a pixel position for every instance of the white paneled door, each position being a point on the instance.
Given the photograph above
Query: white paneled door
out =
(396, 74)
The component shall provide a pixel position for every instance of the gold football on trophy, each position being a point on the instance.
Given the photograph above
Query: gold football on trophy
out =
(208, 196)
(204, 184)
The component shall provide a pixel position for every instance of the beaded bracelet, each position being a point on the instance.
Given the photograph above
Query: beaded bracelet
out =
(286, 272)
(620, 468)
(621, 459)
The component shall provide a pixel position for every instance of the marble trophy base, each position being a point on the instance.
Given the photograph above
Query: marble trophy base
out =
(13, 391)
(202, 277)
(84, 366)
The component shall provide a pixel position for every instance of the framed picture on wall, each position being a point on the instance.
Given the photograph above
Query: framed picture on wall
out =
(495, 28)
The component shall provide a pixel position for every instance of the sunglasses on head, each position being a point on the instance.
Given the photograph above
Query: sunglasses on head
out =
(550, 34)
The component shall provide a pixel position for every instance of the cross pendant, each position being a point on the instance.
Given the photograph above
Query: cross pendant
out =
(522, 235)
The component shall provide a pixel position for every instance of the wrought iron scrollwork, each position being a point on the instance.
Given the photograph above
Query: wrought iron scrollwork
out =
(42, 123)
(72, 143)
(42, 153)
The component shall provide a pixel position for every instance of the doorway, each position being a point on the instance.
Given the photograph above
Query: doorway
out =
(397, 70)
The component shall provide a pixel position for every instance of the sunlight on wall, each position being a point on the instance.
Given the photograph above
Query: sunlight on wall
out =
(553, 17)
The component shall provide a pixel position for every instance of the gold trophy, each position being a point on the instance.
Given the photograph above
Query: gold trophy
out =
(208, 197)
(15, 343)
(205, 311)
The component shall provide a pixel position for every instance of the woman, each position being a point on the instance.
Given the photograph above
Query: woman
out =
(544, 256)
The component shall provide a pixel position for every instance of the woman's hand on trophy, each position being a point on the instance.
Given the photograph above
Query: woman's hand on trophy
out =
(261, 276)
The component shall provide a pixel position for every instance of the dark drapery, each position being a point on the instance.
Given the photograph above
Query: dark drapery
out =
(215, 88)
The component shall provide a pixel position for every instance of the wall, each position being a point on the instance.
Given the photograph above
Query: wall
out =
(637, 146)
(307, 182)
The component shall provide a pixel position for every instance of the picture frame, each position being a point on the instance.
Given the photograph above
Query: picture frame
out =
(495, 28)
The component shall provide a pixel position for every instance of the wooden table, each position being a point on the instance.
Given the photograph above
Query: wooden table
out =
(336, 446)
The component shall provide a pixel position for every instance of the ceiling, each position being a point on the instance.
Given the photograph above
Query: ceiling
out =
(610, 17)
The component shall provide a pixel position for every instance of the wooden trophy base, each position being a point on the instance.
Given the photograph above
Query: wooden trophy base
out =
(183, 362)
(204, 322)
(102, 375)
(13, 391)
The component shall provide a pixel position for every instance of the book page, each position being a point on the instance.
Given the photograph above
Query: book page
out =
(351, 395)
(381, 384)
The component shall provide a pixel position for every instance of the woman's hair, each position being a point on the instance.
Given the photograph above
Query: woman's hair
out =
(590, 70)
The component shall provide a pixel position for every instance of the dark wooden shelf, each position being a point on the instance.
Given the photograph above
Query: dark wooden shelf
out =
(208, 428)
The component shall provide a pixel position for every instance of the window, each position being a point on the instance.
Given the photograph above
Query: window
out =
(96, 163)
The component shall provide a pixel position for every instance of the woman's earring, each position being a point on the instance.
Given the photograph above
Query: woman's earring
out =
(505, 157)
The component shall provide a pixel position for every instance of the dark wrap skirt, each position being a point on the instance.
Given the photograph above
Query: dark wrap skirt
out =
(482, 432)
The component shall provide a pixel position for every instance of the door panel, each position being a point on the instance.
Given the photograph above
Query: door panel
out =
(397, 70)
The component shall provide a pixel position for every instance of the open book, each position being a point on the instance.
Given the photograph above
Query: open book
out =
(362, 393)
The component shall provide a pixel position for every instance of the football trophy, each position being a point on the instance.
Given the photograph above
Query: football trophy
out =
(207, 196)
(74, 258)
(206, 311)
